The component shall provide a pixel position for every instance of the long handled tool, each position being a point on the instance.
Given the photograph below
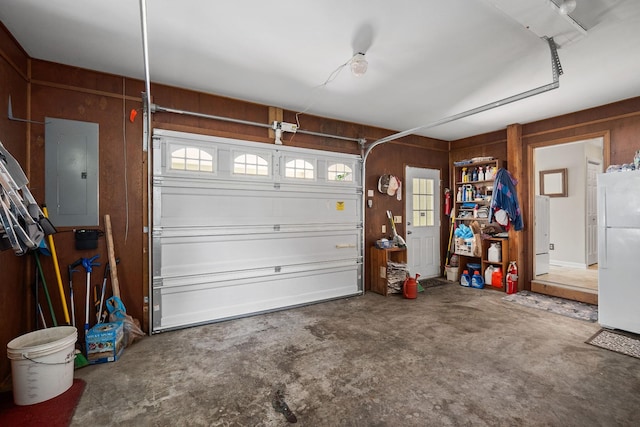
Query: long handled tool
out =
(88, 264)
(70, 270)
(397, 239)
(44, 286)
(111, 253)
(453, 225)
(56, 267)
(39, 313)
(102, 315)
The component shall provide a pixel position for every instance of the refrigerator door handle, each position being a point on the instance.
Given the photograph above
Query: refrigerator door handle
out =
(602, 212)
(605, 246)
(602, 206)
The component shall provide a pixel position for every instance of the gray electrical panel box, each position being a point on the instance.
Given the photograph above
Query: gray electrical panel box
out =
(71, 172)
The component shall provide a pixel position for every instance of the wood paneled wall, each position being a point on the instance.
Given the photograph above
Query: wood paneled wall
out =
(620, 121)
(16, 318)
(65, 92)
(388, 158)
(392, 158)
(42, 89)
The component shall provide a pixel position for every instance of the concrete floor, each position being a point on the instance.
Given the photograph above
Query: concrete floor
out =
(453, 357)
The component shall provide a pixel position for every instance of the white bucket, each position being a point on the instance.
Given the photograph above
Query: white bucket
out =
(42, 364)
(452, 273)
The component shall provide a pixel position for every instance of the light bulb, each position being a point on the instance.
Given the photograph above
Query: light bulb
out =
(567, 7)
(359, 64)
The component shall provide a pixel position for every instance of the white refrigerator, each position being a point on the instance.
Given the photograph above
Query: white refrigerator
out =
(619, 251)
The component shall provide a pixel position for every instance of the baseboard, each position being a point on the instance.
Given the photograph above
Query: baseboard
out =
(574, 293)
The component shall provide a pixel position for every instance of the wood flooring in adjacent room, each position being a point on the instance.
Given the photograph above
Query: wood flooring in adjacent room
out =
(578, 284)
(578, 277)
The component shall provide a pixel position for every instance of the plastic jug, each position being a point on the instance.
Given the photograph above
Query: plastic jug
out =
(410, 287)
(488, 273)
(494, 254)
(465, 278)
(496, 277)
(477, 281)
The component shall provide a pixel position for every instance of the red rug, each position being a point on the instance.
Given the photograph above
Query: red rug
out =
(56, 412)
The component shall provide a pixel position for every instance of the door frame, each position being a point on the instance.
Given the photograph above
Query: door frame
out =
(438, 209)
(530, 282)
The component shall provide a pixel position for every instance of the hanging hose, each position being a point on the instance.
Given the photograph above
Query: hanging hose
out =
(56, 267)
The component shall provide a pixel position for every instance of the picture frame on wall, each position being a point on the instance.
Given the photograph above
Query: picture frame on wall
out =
(553, 183)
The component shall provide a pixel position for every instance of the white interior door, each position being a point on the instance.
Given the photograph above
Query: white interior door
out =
(542, 220)
(593, 168)
(422, 221)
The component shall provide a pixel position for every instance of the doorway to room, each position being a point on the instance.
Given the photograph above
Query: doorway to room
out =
(565, 216)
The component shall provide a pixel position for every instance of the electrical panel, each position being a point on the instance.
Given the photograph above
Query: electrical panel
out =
(71, 172)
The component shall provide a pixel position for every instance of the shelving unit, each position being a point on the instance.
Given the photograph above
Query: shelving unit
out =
(477, 192)
(378, 261)
(504, 259)
(481, 191)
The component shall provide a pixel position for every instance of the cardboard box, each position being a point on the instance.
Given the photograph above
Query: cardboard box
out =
(105, 342)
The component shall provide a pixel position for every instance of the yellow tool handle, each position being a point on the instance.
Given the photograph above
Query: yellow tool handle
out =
(56, 267)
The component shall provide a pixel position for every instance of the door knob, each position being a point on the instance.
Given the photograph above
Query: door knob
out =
(409, 232)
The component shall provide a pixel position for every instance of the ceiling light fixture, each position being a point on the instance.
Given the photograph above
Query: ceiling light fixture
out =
(567, 6)
(359, 64)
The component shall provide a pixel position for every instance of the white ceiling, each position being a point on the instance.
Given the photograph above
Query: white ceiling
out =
(427, 59)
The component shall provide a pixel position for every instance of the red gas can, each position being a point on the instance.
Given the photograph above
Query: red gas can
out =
(410, 287)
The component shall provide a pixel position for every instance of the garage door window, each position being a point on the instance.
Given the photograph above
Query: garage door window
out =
(340, 172)
(299, 169)
(251, 164)
(192, 159)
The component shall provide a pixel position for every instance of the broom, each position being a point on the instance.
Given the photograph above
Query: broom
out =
(399, 241)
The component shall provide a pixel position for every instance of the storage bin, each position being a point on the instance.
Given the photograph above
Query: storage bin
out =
(463, 247)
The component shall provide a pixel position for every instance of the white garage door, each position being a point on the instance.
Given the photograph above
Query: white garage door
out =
(241, 228)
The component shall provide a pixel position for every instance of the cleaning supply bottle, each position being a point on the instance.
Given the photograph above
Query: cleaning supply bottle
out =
(494, 253)
(459, 195)
(477, 281)
(496, 277)
(465, 278)
(488, 274)
(474, 175)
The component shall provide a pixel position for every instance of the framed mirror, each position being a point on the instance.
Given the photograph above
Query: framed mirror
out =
(553, 183)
